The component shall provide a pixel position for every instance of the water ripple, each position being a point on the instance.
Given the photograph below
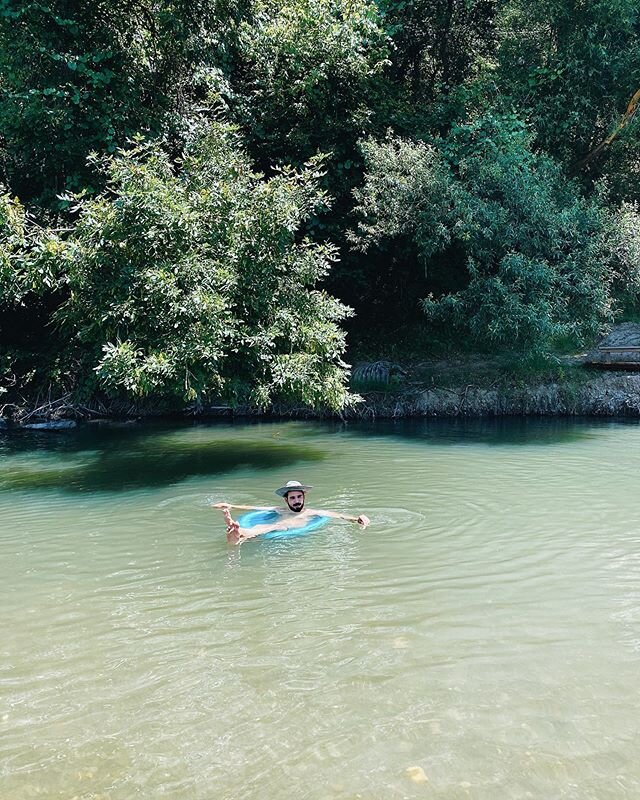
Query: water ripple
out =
(484, 627)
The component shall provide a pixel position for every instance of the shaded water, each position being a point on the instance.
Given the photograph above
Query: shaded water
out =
(485, 628)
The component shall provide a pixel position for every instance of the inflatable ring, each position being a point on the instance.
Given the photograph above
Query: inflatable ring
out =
(254, 518)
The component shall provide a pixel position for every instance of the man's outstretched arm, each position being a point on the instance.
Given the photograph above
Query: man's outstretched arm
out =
(222, 506)
(362, 520)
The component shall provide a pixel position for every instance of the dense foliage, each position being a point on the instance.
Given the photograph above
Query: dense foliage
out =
(188, 186)
(532, 251)
(192, 284)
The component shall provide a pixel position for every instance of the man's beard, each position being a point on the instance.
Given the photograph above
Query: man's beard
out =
(296, 508)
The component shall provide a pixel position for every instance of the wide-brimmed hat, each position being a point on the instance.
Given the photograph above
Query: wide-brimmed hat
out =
(292, 486)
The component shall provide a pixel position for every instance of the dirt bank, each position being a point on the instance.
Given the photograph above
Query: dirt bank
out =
(610, 394)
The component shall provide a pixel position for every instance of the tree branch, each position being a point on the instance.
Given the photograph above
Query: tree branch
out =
(626, 119)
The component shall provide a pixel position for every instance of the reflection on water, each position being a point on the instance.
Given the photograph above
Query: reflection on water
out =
(492, 430)
(135, 458)
(478, 640)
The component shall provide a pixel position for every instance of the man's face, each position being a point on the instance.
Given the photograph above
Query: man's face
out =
(295, 500)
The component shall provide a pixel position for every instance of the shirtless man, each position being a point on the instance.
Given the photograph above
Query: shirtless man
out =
(294, 516)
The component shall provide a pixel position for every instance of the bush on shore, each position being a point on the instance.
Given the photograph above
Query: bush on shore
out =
(191, 283)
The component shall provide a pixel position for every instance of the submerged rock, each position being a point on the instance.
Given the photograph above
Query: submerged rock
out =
(54, 425)
(417, 774)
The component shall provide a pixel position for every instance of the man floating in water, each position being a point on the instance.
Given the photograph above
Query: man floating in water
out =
(294, 516)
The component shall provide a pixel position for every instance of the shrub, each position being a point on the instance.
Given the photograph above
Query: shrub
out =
(528, 251)
(195, 284)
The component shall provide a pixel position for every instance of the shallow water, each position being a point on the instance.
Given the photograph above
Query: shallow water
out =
(485, 628)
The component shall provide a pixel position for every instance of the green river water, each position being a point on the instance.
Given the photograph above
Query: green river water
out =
(481, 639)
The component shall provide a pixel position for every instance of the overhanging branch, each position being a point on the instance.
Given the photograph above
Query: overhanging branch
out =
(627, 117)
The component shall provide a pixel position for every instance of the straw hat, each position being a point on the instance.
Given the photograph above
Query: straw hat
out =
(292, 486)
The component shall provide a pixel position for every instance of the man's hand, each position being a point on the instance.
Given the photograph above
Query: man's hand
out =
(363, 521)
(221, 505)
(234, 534)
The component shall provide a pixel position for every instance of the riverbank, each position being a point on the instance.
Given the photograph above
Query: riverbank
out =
(606, 394)
(391, 391)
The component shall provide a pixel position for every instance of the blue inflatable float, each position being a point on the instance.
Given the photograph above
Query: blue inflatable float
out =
(254, 518)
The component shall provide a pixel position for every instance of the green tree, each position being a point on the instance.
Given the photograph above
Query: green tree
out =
(624, 246)
(77, 78)
(29, 281)
(197, 285)
(305, 81)
(529, 254)
(570, 68)
(439, 48)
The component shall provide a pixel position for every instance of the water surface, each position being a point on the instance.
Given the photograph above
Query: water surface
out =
(485, 628)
